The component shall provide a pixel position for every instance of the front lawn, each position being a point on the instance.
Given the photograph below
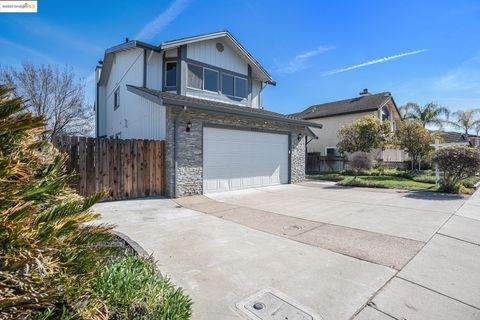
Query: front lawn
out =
(388, 178)
(385, 182)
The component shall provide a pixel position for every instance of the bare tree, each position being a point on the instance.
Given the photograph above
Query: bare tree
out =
(55, 94)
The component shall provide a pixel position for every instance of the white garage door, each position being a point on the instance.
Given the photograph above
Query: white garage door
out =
(237, 159)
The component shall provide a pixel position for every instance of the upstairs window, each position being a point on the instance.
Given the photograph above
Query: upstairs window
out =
(171, 74)
(227, 84)
(195, 77)
(207, 79)
(385, 114)
(116, 99)
(210, 80)
(240, 87)
(202, 78)
(234, 86)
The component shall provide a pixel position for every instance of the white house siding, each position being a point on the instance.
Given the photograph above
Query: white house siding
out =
(328, 135)
(171, 53)
(256, 94)
(101, 112)
(154, 70)
(206, 52)
(146, 120)
(136, 118)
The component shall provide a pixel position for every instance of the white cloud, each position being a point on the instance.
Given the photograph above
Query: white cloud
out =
(61, 34)
(26, 49)
(368, 63)
(464, 78)
(299, 62)
(155, 26)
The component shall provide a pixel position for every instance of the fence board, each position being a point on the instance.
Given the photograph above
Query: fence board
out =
(124, 168)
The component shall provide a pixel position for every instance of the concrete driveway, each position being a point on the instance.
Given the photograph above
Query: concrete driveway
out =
(334, 253)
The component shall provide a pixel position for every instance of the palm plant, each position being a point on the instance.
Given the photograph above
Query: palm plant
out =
(47, 255)
(429, 114)
(466, 120)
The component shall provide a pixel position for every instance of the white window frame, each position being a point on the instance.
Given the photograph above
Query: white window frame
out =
(203, 79)
(330, 147)
(235, 87)
(165, 74)
(221, 80)
(218, 80)
(116, 99)
(186, 76)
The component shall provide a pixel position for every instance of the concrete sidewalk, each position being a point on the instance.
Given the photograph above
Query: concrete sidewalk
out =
(336, 253)
(220, 263)
(443, 280)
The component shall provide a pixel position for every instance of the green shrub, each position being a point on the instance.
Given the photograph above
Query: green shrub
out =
(326, 176)
(47, 256)
(377, 172)
(457, 163)
(384, 182)
(361, 161)
(470, 182)
(131, 288)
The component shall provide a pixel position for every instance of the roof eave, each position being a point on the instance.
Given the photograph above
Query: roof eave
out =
(176, 43)
(108, 57)
(339, 114)
(198, 106)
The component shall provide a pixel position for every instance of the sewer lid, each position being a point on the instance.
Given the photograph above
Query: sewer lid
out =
(266, 305)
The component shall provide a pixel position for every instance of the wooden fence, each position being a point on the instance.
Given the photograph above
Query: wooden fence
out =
(316, 163)
(126, 168)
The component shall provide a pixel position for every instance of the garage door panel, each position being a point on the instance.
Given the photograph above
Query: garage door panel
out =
(236, 159)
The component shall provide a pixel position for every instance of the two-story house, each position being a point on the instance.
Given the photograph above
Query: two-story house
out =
(333, 115)
(203, 95)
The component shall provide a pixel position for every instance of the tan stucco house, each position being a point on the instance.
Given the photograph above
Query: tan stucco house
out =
(335, 114)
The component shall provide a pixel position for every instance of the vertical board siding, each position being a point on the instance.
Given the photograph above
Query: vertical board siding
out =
(206, 52)
(123, 168)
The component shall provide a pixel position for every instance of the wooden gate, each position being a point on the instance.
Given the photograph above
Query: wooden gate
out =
(125, 168)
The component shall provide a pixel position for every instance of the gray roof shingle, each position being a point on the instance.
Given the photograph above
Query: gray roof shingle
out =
(452, 137)
(359, 104)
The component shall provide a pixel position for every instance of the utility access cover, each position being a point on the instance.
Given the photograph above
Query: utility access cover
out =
(265, 305)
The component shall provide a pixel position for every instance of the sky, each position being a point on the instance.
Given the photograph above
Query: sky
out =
(316, 51)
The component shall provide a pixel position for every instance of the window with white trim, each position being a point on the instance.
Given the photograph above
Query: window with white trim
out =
(228, 84)
(234, 86)
(195, 77)
(116, 99)
(210, 80)
(202, 78)
(330, 151)
(240, 87)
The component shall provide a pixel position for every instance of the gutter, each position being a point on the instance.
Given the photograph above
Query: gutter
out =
(198, 106)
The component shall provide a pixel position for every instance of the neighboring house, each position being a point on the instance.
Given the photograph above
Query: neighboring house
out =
(457, 138)
(333, 115)
(204, 96)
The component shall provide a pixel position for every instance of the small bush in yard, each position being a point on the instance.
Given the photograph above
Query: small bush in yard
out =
(457, 164)
(361, 161)
(131, 288)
